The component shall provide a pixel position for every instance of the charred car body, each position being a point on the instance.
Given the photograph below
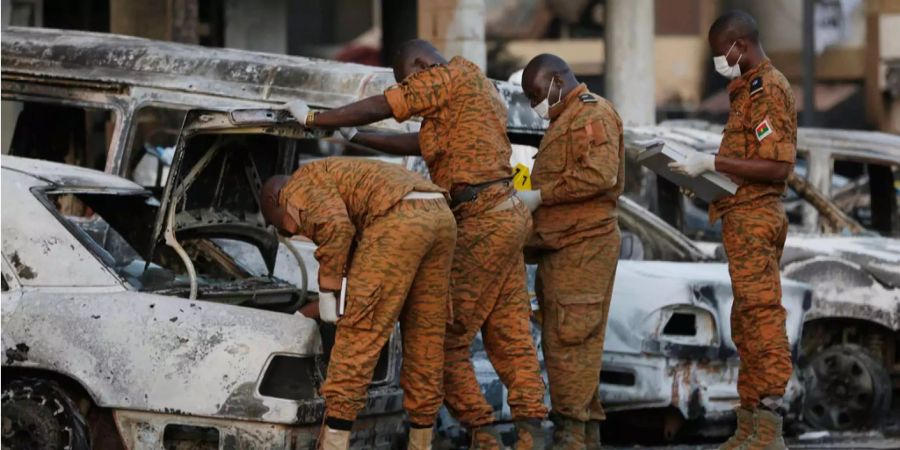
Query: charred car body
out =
(843, 194)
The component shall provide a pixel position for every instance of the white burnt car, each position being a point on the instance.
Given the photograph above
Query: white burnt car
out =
(112, 341)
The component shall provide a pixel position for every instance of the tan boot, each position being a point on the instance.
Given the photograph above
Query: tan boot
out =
(767, 435)
(420, 438)
(745, 426)
(486, 438)
(530, 435)
(592, 435)
(568, 434)
(334, 439)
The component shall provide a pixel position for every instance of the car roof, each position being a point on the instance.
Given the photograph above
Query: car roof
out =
(858, 145)
(116, 60)
(65, 175)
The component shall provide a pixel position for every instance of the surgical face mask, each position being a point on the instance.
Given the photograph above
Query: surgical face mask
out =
(543, 108)
(726, 70)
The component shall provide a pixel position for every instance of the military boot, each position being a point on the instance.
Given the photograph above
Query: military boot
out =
(745, 426)
(568, 434)
(530, 435)
(420, 438)
(332, 439)
(592, 435)
(486, 438)
(767, 435)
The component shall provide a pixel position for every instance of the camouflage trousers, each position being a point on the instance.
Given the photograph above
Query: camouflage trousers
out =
(753, 236)
(489, 294)
(399, 271)
(574, 288)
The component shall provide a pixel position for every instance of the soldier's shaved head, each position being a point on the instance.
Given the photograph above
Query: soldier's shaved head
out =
(735, 25)
(413, 56)
(736, 35)
(540, 71)
(268, 199)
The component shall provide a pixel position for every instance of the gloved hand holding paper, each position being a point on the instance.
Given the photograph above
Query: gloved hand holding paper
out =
(686, 167)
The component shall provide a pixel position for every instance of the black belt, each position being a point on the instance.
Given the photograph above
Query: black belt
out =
(469, 192)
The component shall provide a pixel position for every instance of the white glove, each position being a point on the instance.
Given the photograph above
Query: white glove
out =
(695, 164)
(299, 109)
(531, 199)
(328, 307)
(348, 132)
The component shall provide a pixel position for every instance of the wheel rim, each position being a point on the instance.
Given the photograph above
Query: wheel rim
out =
(840, 393)
(26, 427)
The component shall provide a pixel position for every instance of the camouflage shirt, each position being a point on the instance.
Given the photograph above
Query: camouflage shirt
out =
(762, 124)
(579, 170)
(333, 200)
(463, 133)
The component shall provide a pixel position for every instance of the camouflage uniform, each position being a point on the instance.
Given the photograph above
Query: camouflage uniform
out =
(399, 270)
(463, 141)
(762, 124)
(579, 170)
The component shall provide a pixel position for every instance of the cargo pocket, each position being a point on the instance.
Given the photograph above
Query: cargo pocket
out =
(360, 310)
(579, 316)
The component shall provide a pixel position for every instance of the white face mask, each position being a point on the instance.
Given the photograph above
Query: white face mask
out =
(543, 108)
(728, 71)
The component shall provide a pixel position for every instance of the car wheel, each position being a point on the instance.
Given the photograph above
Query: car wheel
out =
(846, 388)
(38, 414)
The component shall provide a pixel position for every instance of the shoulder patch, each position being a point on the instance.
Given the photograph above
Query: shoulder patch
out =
(763, 130)
(756, 86)
(587, 98)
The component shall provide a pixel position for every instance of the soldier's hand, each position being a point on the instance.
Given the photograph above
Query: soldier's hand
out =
(310, 310)
(695, 164)
(688, 193)
(531, 199)
(328, 307)
(299, 109)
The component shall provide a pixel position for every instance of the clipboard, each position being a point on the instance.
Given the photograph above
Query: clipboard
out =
(709, 186)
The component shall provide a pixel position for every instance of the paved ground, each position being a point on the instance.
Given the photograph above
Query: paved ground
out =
(857, 441)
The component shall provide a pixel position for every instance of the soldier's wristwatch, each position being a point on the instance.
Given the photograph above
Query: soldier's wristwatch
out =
(310, 118)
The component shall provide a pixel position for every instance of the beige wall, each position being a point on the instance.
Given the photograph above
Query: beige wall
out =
(679, 62)
(455, 27)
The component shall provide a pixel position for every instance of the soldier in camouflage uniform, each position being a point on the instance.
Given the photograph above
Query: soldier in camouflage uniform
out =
(758, 152)
(404, 234)
(578, 177)
(463, 141)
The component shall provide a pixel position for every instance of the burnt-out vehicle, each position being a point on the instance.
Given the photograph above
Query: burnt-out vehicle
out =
(842, 209)
(130, 322)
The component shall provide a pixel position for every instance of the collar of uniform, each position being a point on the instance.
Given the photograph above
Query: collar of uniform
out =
(568, 100)
(745, 78)
(559, 125)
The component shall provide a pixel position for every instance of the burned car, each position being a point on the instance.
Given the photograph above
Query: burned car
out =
(114, 340)
(842, 209)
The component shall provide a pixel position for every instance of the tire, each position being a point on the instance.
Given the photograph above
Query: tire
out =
(846, 388)
(38, 414)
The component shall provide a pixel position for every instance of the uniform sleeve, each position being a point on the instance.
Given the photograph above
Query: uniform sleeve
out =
(321, 215)
(421, 94)
(592, 166)
(771, 122)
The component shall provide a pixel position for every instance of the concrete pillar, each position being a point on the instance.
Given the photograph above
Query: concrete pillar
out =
(455, 27)
(629, 68)
(258, 26)
(167, 20)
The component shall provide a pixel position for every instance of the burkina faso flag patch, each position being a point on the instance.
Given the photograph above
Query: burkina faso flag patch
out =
(763, 130)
